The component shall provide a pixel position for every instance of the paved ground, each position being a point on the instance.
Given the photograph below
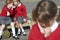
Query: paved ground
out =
(21, 37)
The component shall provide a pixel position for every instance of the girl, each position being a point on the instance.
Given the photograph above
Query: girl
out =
(20, 15)
(46, 27)
(5, 19)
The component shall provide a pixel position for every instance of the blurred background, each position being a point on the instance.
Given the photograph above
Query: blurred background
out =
(30, 4)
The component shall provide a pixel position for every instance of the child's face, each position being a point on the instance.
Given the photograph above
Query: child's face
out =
(15, 3)
(10, 5)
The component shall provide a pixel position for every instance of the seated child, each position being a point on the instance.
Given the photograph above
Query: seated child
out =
(5, 17)
(20, 16)
(46, 27)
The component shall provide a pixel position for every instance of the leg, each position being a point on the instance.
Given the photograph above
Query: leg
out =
(29, 22)
(20, 21)
(13, 28)
(19, 31)
(22, 29)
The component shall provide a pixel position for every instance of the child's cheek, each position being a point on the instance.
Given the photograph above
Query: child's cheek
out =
(10, 5)
(15, 3)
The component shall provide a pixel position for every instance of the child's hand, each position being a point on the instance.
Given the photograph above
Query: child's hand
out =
(24, 19)
(13, 7)
(8, 14)
(14, 19)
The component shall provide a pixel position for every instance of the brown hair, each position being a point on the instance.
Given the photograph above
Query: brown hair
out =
(17, 0)
(8, 1)
(45, 10)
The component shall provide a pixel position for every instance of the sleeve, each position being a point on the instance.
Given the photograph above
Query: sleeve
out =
(11, 12)
(30, 35)
(4, 10)
(24, 12)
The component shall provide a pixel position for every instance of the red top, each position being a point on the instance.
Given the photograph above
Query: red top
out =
(4, 11)
(35, 34)
(20, 11)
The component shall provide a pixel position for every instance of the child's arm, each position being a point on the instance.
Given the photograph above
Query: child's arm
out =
(24, 19)
(13, 7)
(24, 13)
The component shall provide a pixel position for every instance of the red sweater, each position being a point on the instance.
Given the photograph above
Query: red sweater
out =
(35, 34)
(4, 11)
(20, 11)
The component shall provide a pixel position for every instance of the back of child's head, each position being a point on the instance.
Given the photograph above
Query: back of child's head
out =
(46, 10)
(9, 1)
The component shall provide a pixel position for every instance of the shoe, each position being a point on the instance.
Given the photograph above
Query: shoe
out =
(15, 37)
(24, 34)
(0, 37)
(19, 33)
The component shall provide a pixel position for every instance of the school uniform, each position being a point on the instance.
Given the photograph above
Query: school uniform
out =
(20, 13)
(36, 33)
(4, 19)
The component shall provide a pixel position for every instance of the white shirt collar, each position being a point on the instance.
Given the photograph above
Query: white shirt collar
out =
(53, 27)
(41, 29)
(19, 4)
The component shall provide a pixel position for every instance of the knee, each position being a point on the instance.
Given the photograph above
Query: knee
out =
(3, 25)
(16, 22)
(29, 21)
(12, 23)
